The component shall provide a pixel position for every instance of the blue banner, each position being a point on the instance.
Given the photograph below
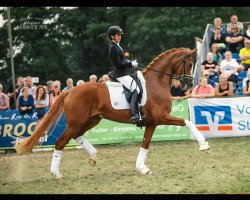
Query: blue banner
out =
(13, 126)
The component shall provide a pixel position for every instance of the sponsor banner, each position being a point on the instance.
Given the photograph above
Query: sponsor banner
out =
(221, 117)
(13, 126)
(107, 132)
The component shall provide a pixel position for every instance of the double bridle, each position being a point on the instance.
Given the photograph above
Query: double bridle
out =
(182, 77)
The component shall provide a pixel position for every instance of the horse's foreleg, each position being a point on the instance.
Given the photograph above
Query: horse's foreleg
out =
(171, 120)
(140, 166)
(57, 155)
(85, 143)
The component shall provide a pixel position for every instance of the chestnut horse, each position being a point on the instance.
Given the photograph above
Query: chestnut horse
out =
(85, 105)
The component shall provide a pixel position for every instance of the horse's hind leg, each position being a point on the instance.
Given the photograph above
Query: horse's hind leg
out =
(57, 155)
(85, 143)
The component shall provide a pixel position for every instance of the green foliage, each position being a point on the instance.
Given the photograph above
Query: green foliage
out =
(73, 43)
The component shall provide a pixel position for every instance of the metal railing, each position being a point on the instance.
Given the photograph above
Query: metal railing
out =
(202, 54)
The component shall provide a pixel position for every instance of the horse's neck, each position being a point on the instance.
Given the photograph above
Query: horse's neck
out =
(158, 84)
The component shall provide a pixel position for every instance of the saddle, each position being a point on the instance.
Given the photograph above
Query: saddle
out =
(128, 94)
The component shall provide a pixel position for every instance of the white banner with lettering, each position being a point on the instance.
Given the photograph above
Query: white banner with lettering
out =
(221, 117)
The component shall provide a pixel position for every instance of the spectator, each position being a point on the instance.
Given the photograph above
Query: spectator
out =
(177, 92)
(217, 57)
(19, 85)
(218, 23)
(55, 93)
(80, 82)
(212, 67)
(234, 40)
(101, 80)
(93, 78)
(205, 74)
(245, 55)
(41, 101)
(230, 67)
(219, 39)
(203, 90)
(106, 77)
(246, 83)
(29, 84)
(4, 100)
(247, 33)
(224, 87)
(70, 84)
(49, 86)
(26, 102)
(234, 21)
(57, 82)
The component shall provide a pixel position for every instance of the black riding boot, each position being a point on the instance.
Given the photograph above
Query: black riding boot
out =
(134, 108)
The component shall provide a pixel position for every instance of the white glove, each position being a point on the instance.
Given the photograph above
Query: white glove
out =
(134, 63)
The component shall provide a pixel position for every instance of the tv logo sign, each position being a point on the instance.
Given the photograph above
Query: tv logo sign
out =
(213, 118)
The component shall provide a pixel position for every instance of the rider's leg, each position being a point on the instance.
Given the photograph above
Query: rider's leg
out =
(130, 84)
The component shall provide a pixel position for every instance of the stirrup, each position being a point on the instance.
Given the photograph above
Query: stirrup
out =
(135, 118)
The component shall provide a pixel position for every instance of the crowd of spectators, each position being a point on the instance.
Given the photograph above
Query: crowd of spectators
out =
(31, 97)
(226, 70)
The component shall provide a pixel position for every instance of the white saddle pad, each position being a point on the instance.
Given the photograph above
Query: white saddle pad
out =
(117, 97)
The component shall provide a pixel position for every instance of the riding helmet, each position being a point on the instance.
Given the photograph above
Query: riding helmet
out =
(114, 30)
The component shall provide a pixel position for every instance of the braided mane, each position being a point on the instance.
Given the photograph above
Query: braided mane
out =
(160, 56)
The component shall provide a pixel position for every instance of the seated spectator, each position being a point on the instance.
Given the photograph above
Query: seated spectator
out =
(247, 33)
(246, 83)
(212, 67)
(177, 92)
(245, 55)
(218, 23)
(41, 101)
(26, 102)
(234, 21)
(93, 78)
(80, 82)
(224, 87)
(4, 100)
(230, 67)
(219, 39)
(203, 90)
(55, 92)
(205, 74)
(217, 57)
(70, 84)
(234, 40)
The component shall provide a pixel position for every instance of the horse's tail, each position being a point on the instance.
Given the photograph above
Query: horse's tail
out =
(55, 113)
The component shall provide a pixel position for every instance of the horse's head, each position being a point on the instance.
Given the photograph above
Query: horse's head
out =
(183, 69)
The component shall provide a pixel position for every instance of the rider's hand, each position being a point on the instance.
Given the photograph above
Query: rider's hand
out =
(134, 63)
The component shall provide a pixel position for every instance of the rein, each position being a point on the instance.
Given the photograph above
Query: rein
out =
(163, 73)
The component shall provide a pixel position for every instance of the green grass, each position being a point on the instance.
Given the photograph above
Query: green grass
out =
(178, 168)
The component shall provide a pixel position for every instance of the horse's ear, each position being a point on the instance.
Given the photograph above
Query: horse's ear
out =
(192, 52)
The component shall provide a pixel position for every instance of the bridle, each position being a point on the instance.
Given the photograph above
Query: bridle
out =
(183, 77)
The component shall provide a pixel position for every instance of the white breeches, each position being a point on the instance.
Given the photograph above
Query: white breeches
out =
(129, 83)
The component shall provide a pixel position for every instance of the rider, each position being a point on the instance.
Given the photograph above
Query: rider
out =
(121, 69)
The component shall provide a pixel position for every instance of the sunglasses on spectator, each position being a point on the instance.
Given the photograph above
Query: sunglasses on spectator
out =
(234, 29)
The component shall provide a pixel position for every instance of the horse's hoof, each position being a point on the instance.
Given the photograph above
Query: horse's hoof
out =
(144, 170)
(204, 146)
(58, 176)
(206, 151)
(92, 160)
